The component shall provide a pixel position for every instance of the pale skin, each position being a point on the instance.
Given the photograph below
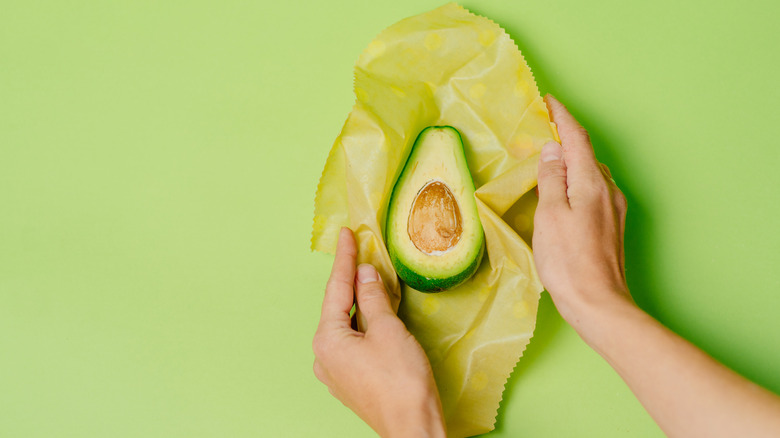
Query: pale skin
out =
(383, 375)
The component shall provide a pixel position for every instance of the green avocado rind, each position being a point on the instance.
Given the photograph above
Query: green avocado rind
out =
(413, 278)
(430, 285)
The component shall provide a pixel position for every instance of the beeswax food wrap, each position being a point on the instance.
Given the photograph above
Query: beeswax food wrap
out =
(447, 67)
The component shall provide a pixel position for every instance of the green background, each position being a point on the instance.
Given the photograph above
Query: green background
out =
(158, 163)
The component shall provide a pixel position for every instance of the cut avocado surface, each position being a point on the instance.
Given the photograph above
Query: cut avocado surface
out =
(433, 232)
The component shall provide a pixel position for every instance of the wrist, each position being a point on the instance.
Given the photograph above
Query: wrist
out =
(598, 317)
(419, 416)
(619, 327)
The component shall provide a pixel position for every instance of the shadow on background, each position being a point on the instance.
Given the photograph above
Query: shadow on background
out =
(548, 324)
(639, 234)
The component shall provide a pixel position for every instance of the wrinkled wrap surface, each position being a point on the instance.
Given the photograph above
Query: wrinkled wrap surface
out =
(448, 67)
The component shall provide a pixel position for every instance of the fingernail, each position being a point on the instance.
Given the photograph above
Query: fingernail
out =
(367, 273)
(551, 151)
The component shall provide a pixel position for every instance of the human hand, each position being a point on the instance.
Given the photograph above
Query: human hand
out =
(382, 374)
(578, 249)
(578, 226)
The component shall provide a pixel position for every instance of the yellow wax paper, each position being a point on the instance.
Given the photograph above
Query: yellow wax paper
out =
(448, 67)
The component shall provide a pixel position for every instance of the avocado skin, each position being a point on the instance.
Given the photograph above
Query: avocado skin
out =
(432, 285)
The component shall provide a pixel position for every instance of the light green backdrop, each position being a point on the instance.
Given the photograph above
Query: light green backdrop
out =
(158, 162)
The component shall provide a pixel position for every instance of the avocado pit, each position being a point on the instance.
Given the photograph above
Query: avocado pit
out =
(435, 223)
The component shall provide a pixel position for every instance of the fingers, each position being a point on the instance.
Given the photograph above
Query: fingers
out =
(552, 176)
(606, 172)
(339, 292)
(581, 162)
(620, 205)
(372, 299)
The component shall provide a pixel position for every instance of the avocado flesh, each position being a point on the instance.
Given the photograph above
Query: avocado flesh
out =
(433, 232)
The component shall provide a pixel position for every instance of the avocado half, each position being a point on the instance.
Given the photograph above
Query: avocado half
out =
(433, 232)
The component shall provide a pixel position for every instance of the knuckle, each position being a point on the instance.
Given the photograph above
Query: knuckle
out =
(599, 188)
(319, 373)
(368, 298)
(337, 283)
(583, 133)
(373, 291)
(594, 189)
(319, 346)
(552, 170)
(620, 200)
(602, 191)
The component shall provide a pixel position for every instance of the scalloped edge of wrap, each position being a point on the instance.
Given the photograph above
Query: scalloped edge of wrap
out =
(390, 110)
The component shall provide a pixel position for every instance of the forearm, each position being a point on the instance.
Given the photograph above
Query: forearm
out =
(578, 245)
(687, 392)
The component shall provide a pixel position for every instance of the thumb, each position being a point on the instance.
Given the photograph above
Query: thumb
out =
(552, 175)
(372, 299)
